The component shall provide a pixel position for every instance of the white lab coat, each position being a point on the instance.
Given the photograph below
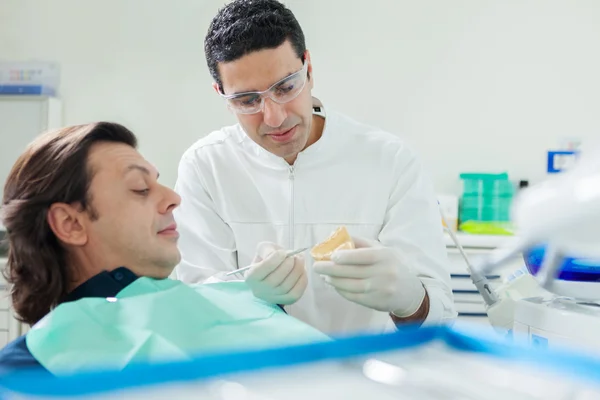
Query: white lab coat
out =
(235, 194)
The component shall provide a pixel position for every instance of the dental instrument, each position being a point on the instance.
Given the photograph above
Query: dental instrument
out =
(288, 255)
(479, 280)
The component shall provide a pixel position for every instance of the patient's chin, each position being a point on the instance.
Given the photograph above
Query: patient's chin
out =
(165, 263)
(172, 261)
(162, 273)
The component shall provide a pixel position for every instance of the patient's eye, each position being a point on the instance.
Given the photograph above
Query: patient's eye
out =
(142, 192)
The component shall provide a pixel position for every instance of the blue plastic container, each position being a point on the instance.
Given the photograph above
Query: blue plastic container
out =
(572, 269)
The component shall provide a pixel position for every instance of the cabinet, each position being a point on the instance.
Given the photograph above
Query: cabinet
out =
(10, 327)
(469, 303)
(22, 118)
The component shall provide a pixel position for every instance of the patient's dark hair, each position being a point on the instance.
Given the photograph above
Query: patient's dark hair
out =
(52, 169)
(246, 26)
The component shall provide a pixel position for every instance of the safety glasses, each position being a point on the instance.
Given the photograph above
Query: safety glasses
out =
(281, 92)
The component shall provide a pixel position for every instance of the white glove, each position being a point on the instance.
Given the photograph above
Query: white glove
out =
(374, 276)
(275, 278)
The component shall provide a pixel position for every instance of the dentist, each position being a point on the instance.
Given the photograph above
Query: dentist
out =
(289, 173)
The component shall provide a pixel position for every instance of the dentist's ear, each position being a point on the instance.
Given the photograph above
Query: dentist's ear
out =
(215, 86)
(309, 69)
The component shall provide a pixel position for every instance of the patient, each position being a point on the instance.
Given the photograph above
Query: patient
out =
(86, 218)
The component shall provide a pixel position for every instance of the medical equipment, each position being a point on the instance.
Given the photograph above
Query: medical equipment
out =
(430, 363)
(291, 253)
(479, 280)
(551, 321)
(559, 221)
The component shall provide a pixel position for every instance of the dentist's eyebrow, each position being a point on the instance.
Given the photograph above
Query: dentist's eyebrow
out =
(276, 83)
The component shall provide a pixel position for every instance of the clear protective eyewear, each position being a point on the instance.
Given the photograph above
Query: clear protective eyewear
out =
(280, 92)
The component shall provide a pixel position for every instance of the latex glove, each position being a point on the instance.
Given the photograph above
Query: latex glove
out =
(374, 276)
(275, 278)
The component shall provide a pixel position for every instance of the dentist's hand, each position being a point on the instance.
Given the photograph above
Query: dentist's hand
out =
(275, 278)
(374, 276)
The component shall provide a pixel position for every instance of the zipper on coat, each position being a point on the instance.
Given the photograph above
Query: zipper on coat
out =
(291, 235)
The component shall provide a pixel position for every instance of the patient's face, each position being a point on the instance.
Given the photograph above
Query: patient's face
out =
(135, 227)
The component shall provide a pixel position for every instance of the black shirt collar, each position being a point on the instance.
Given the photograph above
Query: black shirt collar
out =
(105, 284)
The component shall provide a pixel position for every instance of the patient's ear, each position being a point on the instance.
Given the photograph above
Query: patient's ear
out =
(67, 224)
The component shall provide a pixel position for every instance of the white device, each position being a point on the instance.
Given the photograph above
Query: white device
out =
(562, 213)
(558, 322)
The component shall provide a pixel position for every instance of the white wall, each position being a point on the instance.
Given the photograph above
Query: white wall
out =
(474, 84)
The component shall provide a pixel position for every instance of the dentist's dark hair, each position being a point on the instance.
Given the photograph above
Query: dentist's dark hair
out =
(52, 169)
(246, 26)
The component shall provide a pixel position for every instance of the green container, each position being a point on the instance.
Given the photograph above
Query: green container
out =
(486, 197)
(475, 202)
(485, 214)
(487, 185)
